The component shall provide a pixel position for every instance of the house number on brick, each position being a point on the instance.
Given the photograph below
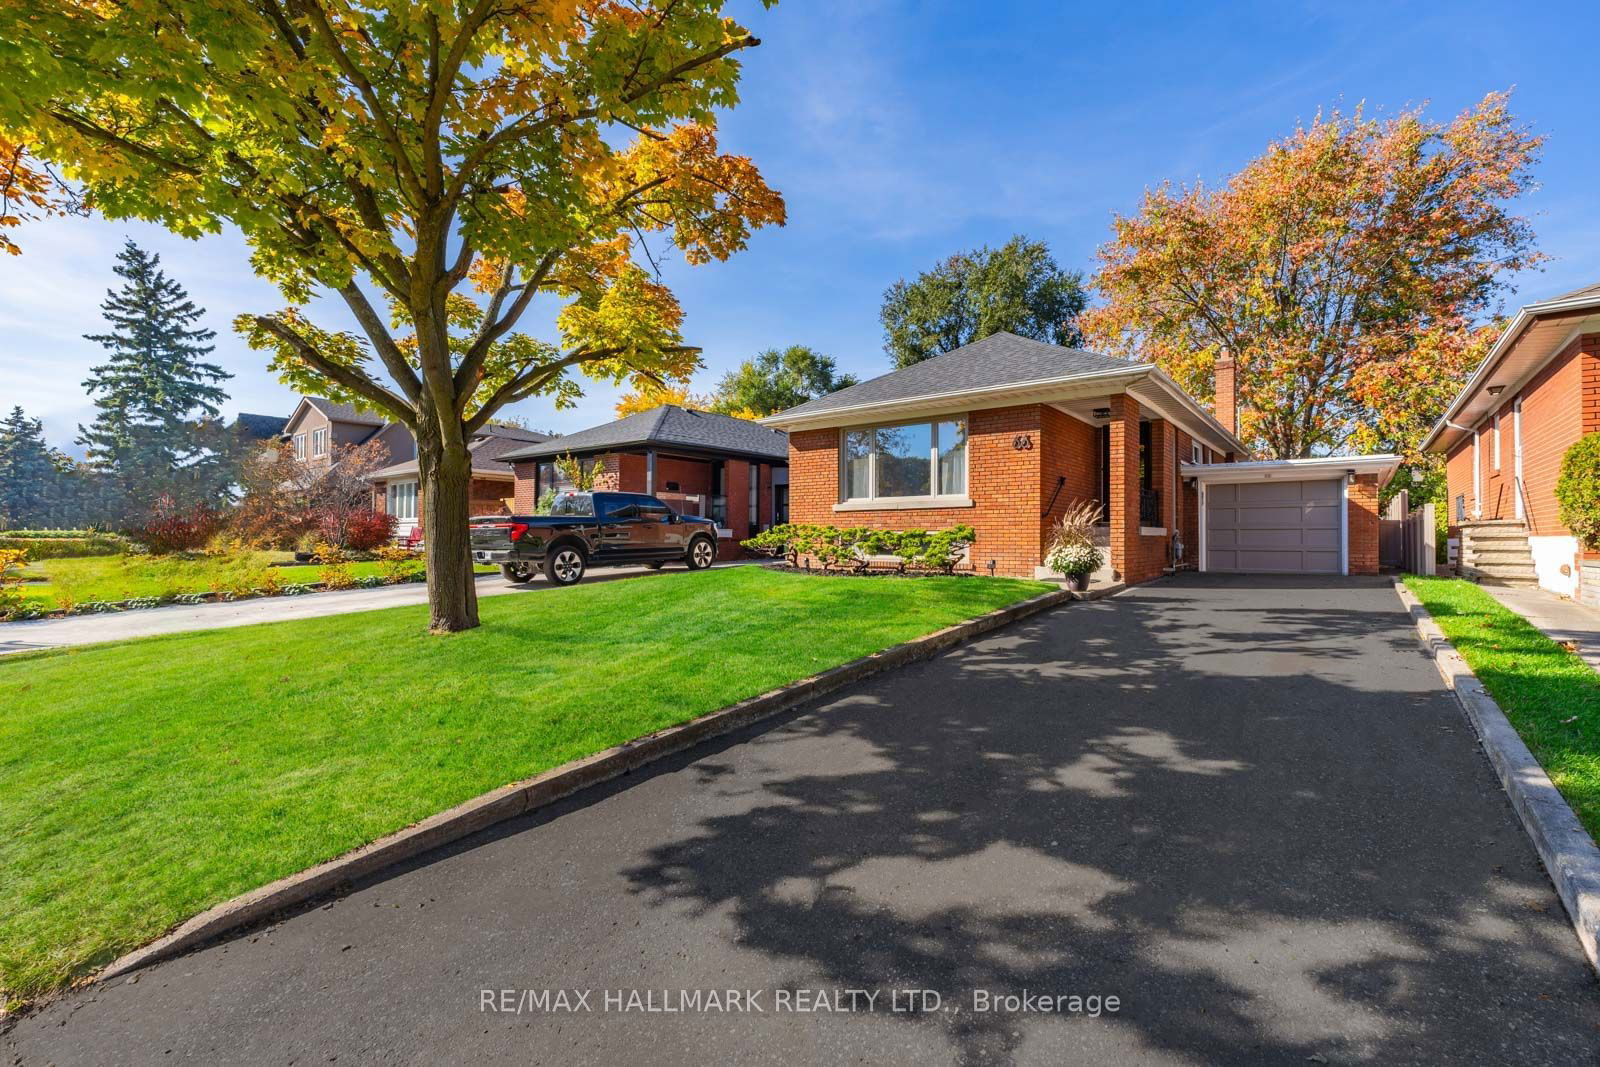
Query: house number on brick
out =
(1023, 442)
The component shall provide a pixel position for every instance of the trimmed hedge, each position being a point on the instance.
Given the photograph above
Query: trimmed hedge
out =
(937, 550)
(60, 545)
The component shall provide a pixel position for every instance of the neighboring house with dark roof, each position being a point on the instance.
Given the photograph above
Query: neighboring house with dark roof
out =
(319, 426)
(730, 470)
(395, 487)
(1503, 439)
(1005, 434)
(259, 427)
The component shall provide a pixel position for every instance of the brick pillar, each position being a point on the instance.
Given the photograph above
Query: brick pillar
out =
(1124, 480)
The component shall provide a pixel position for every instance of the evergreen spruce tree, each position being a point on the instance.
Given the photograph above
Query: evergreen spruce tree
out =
(28, 472)
(158, 397)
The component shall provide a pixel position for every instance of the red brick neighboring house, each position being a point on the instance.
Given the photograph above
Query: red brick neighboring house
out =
(1504, 437)
(395, 487)
(730, 470)
(1006, 433)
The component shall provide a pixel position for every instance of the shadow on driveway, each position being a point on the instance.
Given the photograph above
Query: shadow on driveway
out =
(1245, 808)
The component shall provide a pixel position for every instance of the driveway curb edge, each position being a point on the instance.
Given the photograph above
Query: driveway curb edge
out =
(1569, 854)
(519, 798)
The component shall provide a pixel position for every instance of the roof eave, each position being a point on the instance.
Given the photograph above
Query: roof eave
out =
(1384, 464)
(840, 416)
(1519, 322)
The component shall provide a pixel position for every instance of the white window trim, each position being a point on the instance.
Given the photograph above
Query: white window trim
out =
(1196, 453)
(389, 500)
(1516, 456)
(319, 441)
(1477, 475)
(873, 502)
(299, 446)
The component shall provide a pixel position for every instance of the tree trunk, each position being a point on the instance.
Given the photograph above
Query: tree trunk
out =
(446, 478)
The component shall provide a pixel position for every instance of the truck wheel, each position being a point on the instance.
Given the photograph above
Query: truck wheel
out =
(564, 566)
(702, 553)
(516, 572)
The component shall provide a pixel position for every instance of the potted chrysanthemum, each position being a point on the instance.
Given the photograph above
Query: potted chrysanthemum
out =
(1072, 552)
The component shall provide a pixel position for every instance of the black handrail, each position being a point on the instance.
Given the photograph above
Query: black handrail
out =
(1061, 481)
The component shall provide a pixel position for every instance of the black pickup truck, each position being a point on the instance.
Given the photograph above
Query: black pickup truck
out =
(585, 529)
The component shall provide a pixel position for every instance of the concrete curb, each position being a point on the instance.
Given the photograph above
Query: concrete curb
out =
(1568, 852)
(519, 798)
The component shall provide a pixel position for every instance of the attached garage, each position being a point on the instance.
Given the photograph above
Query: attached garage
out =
(1298, 516)
(1276, 527)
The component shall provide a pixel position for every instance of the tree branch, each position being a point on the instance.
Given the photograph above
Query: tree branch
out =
(394, 361)
(386, 126)
(351, 378)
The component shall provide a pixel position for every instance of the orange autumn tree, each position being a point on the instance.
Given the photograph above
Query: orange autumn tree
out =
(29, 190)
(1345, 270)
(435, 167)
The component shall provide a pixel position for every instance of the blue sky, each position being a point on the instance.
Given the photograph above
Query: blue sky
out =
(900, 132)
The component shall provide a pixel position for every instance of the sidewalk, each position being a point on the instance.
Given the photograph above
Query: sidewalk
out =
(1561, 620)
(122, 626)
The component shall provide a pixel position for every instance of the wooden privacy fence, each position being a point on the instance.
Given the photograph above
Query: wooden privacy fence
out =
(1406, 538)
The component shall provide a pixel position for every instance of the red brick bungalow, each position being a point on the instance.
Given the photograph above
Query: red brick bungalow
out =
(1503, 439)
(733, 471)
(1006, 433)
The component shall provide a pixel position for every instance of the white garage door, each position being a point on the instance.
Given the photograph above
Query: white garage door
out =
(1274, 527)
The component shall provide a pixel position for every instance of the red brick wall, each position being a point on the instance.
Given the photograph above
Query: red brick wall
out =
(1553, 413)
(1361, 520)
(1070, 449)
(1002, 480)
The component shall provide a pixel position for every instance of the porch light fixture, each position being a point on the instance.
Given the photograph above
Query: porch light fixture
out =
(1350, 476)
(1102, 413)
(1496, 390)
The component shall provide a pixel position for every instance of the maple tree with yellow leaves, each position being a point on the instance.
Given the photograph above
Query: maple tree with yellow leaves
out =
(437, 166)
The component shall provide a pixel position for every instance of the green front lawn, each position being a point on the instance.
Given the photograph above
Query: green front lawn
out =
(143, 782)
(81, 579)
(1550, 695)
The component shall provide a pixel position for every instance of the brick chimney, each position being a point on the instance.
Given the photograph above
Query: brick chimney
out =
(1226, 407)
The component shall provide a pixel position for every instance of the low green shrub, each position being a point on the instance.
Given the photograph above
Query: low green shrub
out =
(1578, 490)
(834, 547)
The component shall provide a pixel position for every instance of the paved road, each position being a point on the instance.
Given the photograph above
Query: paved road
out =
(125, 625)
(1248, 812)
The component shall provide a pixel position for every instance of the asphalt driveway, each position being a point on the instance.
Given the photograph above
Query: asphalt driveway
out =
(1244, 808)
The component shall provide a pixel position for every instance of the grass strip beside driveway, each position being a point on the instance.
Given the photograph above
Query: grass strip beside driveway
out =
(143, 782)
(1550, 695)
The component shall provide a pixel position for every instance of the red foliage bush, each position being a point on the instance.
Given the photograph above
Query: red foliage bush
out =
(368, 531)
(172, 529)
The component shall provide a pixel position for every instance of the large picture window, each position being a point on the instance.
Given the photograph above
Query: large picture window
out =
(914, 459)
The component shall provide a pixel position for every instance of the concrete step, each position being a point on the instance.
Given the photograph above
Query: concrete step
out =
(1499, 554)
(1496, 535)
(1510, 583)
(1509, 571)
